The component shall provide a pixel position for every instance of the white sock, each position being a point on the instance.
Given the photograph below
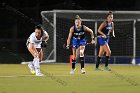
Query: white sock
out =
(36, 65)
(31, 65)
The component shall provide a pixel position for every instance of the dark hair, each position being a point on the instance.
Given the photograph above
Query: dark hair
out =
(39, 26)
(110, 13)
(77, 17)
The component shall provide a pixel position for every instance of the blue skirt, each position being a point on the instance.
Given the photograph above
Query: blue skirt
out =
(102, 41)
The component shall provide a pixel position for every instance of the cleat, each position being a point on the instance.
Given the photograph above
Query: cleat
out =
(83, 71)
(72, 71)
(31, 67)
(39, 74)
(107, 69)
(98, 69)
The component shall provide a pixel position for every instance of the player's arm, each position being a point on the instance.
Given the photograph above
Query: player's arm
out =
(91, 33)
(113, 34)
(32, 48)
(100, 29)
(45, 36)
(69, 36)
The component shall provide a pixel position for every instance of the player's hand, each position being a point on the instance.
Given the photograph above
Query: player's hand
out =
(92, 42)
(36, 55)
(67, 46)
(113, 36)
(44, 44)
(104, 36)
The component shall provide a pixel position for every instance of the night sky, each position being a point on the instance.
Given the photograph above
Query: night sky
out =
(76, 4)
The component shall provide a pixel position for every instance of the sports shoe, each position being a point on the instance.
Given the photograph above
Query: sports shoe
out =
(31, 67)
(83, 71)
(98, 69)
(72, 71)
(107, 69)
(39, 74)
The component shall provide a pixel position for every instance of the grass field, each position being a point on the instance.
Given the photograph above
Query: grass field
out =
(16, 78)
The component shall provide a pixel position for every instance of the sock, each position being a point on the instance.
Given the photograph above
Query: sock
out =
(106, 61)
(73, 64)
(82, 62)
(31, 65)
(36, 65)
(98, 61)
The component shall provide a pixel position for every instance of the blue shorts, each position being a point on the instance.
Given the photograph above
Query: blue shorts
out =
(77, 42)
(102, 41)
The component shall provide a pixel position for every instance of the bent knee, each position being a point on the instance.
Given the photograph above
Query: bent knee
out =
(74, 57)
(108, 53)
(81, 54)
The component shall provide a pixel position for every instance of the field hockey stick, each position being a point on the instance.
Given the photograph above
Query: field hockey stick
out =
(65, 46)
(70, 46)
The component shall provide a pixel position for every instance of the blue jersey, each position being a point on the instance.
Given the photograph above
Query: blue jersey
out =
(106, 30)
(78, 37)
(79, 34)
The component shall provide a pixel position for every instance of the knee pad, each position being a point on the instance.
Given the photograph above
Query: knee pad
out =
(82, 53)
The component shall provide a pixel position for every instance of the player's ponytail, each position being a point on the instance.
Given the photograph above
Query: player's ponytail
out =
(77, 17)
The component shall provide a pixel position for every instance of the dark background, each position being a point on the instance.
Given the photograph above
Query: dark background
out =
(32, 8)
(15, 27)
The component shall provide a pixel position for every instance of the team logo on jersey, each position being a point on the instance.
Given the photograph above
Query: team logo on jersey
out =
(80, 33)
(109, 28)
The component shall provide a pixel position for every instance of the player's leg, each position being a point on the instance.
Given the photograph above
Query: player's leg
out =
(35, 65)
(37, 61)
(108, 53)
(75, 55)
(99, 59)
(31, 65)
(101, 41)
(40, 55)
(74, 50)
(82, 49)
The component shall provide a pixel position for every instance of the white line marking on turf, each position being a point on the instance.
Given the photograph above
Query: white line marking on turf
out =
(6, 76)
(16, 76)
(12, 76)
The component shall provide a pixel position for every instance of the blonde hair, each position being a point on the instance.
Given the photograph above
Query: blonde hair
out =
(77, 17)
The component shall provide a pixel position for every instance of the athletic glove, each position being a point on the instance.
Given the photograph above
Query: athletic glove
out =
(44, 44)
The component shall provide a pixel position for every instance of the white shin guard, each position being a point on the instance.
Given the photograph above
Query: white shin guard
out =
(36, 65)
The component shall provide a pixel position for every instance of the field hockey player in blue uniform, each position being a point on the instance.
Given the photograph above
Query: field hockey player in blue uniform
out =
(105, 29)
(77, 35)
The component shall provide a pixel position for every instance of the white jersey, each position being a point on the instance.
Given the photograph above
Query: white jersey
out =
(35, 41)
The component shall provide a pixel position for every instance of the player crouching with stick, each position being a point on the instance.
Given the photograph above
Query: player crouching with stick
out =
(34, 47)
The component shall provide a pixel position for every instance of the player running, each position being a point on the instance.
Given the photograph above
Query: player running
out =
(103, 37)
(77, 34)
(34, 47)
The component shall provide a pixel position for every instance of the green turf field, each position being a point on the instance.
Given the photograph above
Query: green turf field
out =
(16, 78)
